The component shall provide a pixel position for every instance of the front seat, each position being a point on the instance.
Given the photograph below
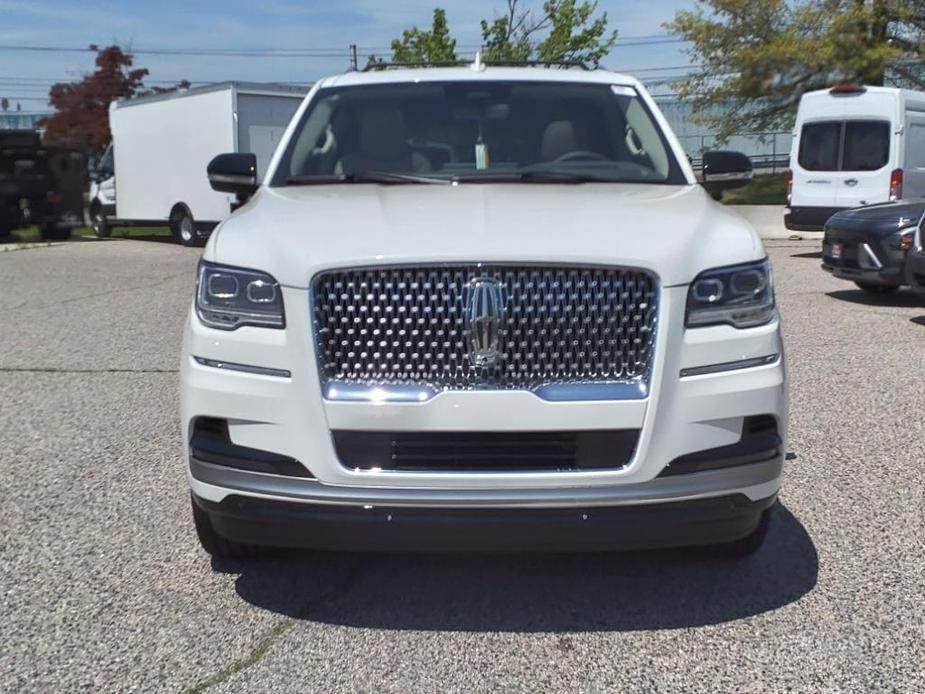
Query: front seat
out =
(381, 145)
(559, 138)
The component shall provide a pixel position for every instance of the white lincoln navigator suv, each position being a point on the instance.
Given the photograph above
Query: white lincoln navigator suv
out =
(482, 308)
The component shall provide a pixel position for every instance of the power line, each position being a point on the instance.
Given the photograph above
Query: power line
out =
(299, 52)
(196, 52)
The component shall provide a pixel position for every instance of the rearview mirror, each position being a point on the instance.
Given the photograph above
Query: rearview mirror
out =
(234, 173)
(724, 170)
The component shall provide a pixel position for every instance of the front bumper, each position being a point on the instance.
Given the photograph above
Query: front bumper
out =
(256, 521)
(808, 218)
(285, 414)
(915, 269)
(865, 257)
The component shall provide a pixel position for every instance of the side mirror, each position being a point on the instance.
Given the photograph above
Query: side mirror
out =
(725, 170)
(234, 173)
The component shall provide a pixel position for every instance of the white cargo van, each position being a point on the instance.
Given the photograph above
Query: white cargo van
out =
(854, 146)
(163, 143)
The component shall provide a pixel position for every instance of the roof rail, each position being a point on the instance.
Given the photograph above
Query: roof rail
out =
(380, 65)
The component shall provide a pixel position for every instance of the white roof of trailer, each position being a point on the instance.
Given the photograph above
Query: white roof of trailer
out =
(255, 88)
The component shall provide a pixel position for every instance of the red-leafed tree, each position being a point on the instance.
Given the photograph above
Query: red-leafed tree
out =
(81, 117)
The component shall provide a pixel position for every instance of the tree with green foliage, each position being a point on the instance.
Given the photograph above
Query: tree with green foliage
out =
(423, 46)
(574, 34)
(563, 30)
(754, 60)
(507, 38)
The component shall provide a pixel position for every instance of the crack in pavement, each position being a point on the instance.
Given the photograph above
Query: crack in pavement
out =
(276, 632)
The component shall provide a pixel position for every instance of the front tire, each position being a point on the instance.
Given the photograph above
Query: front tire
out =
(214, 544)
(100, 223)
(183, 227)
(877, 288)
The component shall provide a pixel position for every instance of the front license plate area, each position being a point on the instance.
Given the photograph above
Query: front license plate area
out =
(837, 251)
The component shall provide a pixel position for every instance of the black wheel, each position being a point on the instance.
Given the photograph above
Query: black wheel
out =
(183, 227)
(213, 543)
(877, 288)
(748, 545)
(100, 223)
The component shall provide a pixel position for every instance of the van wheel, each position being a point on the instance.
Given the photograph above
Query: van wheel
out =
(100, 223)
(183, 227)
(213, 543)
(877, 288)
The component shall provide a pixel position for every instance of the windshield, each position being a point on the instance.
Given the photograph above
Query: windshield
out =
(477, 132)
(104, 167)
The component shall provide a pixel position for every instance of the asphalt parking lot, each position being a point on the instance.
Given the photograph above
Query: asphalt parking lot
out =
(104, 587)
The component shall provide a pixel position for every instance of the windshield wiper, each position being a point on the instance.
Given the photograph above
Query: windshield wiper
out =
(363, 177)
(533, 176)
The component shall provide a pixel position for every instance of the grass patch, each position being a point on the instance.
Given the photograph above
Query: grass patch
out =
(133, 232)
(769, 189)
(31, 234)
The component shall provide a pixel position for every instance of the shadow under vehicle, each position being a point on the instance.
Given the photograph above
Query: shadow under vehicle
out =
(869, 245)
(40, 185)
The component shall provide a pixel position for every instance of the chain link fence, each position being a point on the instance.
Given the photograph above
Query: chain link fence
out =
(769, 152)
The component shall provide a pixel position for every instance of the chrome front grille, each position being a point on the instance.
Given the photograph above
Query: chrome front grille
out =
(484, 326)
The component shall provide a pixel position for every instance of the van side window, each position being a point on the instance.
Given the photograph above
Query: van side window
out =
(819, 145)
(867, 145)
(915, 145)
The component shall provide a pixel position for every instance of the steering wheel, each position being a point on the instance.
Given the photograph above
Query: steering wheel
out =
(581, 155)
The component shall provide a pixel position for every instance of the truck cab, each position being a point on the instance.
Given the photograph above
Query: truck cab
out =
(102, 195)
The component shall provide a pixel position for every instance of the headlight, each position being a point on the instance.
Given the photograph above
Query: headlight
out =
(738, 295)
(229, 297)
(903, 240)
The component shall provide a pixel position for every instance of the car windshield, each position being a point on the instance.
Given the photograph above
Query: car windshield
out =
(477, 131)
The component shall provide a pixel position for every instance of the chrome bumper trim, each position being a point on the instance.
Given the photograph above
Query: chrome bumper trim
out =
(660, 489)
(868, 260)
(339, 391)
(243, 368)
(730, 366)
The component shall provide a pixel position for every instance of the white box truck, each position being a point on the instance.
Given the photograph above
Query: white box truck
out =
(854, 146)
(162, 144)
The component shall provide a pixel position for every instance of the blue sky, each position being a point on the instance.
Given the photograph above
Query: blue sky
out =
(243, 24)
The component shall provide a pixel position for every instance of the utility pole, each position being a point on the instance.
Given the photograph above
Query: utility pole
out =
(354, 64)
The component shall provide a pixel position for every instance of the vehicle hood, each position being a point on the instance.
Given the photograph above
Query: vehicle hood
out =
(886, 218)
(294, 232)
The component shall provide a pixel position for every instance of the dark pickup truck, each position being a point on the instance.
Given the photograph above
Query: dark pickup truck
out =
(40, 185)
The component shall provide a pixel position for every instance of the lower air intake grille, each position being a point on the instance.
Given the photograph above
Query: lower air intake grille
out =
(485, 451)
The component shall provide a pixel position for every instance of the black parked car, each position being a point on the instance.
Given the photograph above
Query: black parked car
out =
(869, 245)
